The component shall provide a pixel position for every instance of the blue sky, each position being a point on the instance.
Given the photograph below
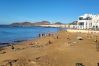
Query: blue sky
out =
(50, 10)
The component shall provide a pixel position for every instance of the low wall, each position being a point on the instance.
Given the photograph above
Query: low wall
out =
(82, 31)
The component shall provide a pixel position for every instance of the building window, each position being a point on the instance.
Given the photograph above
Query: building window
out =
(90, 24)
(96, 26)
(81, 23)
(80, 18)
(87, 18)
(86, 23)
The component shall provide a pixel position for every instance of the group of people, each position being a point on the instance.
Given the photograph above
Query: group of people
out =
(45, 34)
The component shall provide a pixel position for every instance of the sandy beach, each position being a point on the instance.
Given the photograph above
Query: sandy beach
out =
(61, 49)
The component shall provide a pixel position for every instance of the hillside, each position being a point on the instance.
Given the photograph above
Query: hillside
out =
(58, 23)
(30, 23)
(73, 23)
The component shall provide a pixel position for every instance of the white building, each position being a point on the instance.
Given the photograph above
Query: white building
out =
(88, 21)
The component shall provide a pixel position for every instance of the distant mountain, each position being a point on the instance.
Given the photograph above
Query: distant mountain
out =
(59, 23)
(73, 23)
(22, 24)
(42, 23)
(30, 24)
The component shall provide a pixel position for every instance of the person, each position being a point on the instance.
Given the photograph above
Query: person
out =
(42, 34)
(39, 35)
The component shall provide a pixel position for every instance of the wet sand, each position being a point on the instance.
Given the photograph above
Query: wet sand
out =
(61, 49)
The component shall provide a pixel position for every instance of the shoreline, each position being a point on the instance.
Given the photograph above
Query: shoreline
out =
(5, 44)
(16, 36)
(16, 42)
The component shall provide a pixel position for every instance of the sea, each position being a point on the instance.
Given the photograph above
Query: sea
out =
(9, 34)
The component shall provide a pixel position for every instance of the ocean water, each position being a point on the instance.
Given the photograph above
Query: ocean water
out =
(11, 34)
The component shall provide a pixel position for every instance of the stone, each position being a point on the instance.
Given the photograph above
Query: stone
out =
(79, 38)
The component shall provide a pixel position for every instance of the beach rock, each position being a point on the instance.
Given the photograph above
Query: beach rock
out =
(19, 49)
(96, 41)
(12, 47)
(37, 58)
(2, 65)
(68, 38)
(9, 62)
(1, 48)
(37, 46)
(74, 42)
(49, 42)
(57, 37)
(2, 52)
(79, 64)
(24, 61)
(79, 38)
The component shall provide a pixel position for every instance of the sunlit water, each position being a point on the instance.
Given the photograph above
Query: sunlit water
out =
(10, 34)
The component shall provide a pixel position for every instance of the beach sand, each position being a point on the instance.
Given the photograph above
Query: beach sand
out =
(61, 49)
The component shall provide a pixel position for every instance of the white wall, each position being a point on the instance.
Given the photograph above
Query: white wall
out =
(89, 23)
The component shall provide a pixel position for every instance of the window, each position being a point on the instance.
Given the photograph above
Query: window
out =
(80, 18)
(87, 18)
(81, 23)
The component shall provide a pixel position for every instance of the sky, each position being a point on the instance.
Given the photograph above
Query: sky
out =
(64, 11)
